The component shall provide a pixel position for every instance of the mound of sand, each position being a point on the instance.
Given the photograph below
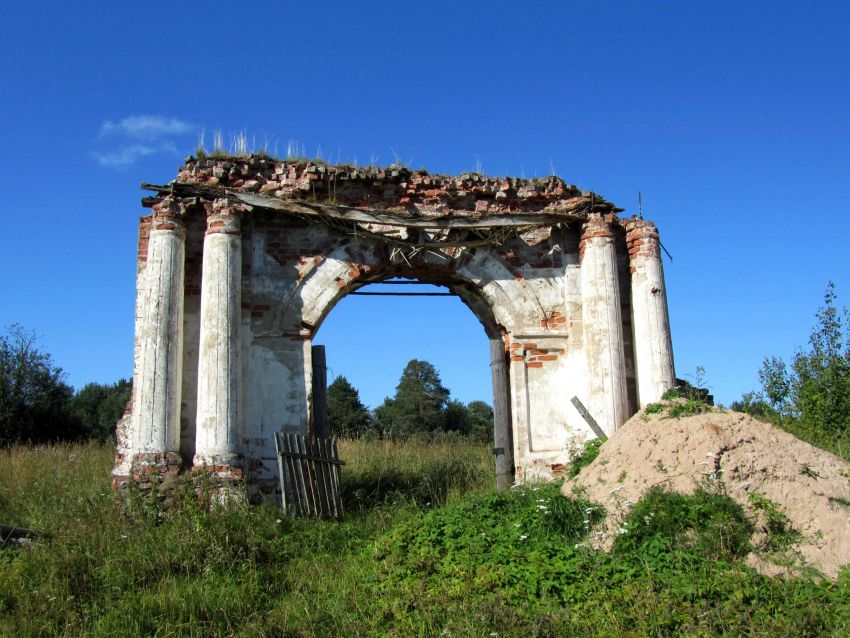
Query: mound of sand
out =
(810, 486)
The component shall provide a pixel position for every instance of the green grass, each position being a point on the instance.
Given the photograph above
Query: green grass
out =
(427, 549)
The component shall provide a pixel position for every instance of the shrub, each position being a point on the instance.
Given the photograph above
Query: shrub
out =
(584, 457)
(706, 522)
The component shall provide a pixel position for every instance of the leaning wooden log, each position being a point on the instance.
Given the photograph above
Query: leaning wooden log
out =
(11, 533)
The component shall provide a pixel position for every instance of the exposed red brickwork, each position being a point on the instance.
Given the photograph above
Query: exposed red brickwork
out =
(144, 238)
(167, 214)
(554, 320)
(533, 355)
(294, 245)
(149, 469)
(195, 229)
(642, 240)
(224, 217)
(596, 226)
(391, 187)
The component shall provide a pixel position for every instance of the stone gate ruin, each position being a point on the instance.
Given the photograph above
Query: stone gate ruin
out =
(242, 258)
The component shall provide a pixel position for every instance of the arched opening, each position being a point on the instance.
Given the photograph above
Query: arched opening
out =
(377, 312)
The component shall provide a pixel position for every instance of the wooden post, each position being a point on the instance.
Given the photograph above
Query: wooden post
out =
(583, 411)
(503, 447)
(320, 393)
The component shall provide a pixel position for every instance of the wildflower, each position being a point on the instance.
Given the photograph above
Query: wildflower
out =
(523, 537)
(278, 521)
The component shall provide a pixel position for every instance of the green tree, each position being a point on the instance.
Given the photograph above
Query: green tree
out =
(419, 403)
(474, 419)
(815, 388)
(34, 399)
(480, 420)
(456, 417)
(99, 406)
(347, 416)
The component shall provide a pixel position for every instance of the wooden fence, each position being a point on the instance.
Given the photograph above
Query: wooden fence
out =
(309, 475)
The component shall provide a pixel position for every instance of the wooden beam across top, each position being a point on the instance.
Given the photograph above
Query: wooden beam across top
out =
(573, 211)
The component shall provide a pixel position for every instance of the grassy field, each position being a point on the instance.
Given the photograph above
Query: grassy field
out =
(427, 549)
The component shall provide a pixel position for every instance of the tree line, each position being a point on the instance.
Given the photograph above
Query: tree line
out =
(810, 395)
(421, 407)
(37, 406)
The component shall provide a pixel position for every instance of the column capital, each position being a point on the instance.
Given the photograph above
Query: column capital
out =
(168, 214)
(642, 239)
(224, 217)
(596, 226)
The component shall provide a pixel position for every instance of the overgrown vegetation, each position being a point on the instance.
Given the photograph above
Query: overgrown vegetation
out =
(810, 396)
(427, 550)
(584, 457)
(679, 402)
(779, 535)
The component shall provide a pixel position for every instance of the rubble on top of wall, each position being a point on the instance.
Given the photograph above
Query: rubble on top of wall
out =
(392, 187)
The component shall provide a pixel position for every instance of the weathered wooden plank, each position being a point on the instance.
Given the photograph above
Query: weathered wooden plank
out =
(315, 466)
(282, 477)
(569, 210)
(325, 491)
(386, 218)
(298, 460)
(335, 476)
(309, 478)
(583, 411)
(10, 533)
(310, 470)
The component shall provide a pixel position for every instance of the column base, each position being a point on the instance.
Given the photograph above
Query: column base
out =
(219, 483)
(147, 472)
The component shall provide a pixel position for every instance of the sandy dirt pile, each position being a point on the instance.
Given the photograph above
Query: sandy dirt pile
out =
(810, 486)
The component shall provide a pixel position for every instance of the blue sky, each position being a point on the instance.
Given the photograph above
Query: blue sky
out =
(732, 119)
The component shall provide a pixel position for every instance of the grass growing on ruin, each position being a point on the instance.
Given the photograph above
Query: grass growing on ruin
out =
(426, 550)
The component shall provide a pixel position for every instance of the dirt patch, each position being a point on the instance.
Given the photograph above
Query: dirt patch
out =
(742, 456)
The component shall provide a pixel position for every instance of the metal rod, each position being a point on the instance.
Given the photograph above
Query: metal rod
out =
(399, 283)
(405, 294)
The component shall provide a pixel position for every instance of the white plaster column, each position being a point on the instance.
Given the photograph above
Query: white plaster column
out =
(216, 434)
(602, 325)
(157, 378)
(650, 321)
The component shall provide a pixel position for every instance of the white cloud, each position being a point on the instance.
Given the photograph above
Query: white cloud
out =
(146, 127)
(125, 156)
(131, 138)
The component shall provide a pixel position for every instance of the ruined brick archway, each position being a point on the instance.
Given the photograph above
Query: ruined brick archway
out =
(241, 260)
